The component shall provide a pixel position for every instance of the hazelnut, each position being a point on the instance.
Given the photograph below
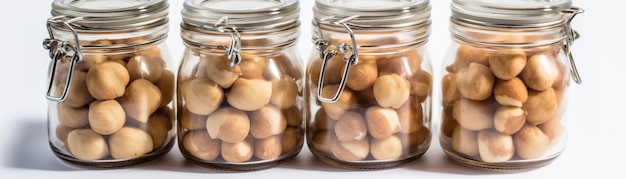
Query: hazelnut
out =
(159, 127)
(200, 69)
(321, 141)
(465, 141)
(293, 116)
(267, 121)
(237, 152)
(450, 90)
(89, 61)
(106, 117)
(144, 67)
(531, 142)
(386, 149)
(201, 95)
(367, 98)
(540, 72)
(553, 129)
(228, 124)
(362, 75)
(85, 144)
(166, 86)
(199, 144)
(347, 101)
(350, 150)
(508, 120)
(107, 80)
(335, 67)
(72, 117)
(252, 67)
(150, 51)
(313, 71)
(322, 121)
(511, 92)
(418, 141)
(476, 82)
(403, 64)
(283, 64)
(284, 92)
(141, 99)
(473, 115)
(495, 147)
(410, 116)
(541, 106)
(421, 85)
(391, 90)
(78, 94)
(382, 122)
(290, 139)
(351, 126)
(130, 142)
(249, 94)
(220, 71)
(62, 132)
(192, 121)
(448, 123)
(268, 148)
(467, 54)
(507, 64)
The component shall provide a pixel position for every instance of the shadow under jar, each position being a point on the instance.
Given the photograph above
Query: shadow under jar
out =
(240, 84)
(369, 82)
(111, 82)
(505, 83)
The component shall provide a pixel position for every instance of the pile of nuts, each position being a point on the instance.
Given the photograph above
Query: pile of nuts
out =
(117, 105)
(503, 104)
(379, 115)
(248, 112)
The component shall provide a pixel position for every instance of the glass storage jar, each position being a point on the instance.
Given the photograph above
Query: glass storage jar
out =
(369, 81)
(240, 84)
(111, 82)
(505, 82)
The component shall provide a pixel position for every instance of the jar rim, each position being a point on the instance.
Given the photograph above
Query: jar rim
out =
(113, 15)
(375, 14)
(513, 13)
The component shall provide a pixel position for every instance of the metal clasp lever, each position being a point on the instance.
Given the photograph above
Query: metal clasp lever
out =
(60, 50)
(322, 45)
(233, 51)
(572, 35)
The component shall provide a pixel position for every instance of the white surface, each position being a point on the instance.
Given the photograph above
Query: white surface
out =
(595, 148)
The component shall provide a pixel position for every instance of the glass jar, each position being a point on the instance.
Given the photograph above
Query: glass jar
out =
(111, 82)
(240, 84)
(369, 82)
(505, 82)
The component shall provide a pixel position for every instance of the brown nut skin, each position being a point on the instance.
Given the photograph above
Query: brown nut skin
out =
(313, 72)
(159, 127)
(540, 72)
(284, 92)
(391, 90)
(237, 152)
(72, 117)
(508, 120)
(476, 82)
(249, 94)
(192, 121)
(266, 122)
(541, 106)
(351, 126)
(347, 101)
(130, 142)
(511, 92)
(141, 99)
(268, 148)
(448, 123)
(366, 98)
(322, 121)
(495, 147)
(201, 95)
(465, 141)
(228, 124)
(418, 141)
(350, 150)
(386, 149)
(411, 116)
(199, 144)
(107, 80)
(473, 115)
(531, 142)
(450, 90)
(507, 64)
(382, 122)
(166, 86)
(421, 85)
(466, 55)
(289, 139)
(220, 71)
(553, 129)
(293, 116)
(78, 94)
(322, 140)
(362, 75)
(85, 144)
(252, 67)
(145, 67)
(106, 117)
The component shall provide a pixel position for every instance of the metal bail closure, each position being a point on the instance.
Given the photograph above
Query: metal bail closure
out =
(61, 50)
(572, 35)
(351, 53)
(233, 51)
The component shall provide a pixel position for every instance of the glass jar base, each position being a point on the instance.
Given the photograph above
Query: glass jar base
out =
(111, 164)
(509, 166)
(365, 165)
(241, 167)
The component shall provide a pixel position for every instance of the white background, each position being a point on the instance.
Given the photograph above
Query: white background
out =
(596, 144)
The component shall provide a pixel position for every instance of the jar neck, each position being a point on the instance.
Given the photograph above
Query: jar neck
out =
(467, 32)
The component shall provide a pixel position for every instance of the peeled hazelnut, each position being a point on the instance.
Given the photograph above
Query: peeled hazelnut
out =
(85, 144)
(249, 94)
(284, 92)
(220, 71)
(322, 121)
(267, 121)
(89, 61)
(476, 82)
(347, 101)
(450, 90)
(508, 120)
(421, 85)
(465, 141)
(201, 95)
(386, 149)
(403, 64)
(200, 69)
(252, 67)
(150, 51)
(144, 67)
(382, 122)
(283, 64)
(473, 115)
(237, 152)
(367, 98)
(495, 147)
(507, 64)
(228, 124)
(466, 55)
(166, 86)
(62, 132)
(78, 94)
(289, 139)
(268, 148)
(541, 106)
(351, 126)
(158, 127)
(334, 70)
(350, 150)
(391, 90)
(448, 123)
(293, 116)
(410, 116)
(192, 121)
(418, 141)
(553, 129)
(511, 92)
(107, 80)
(322, 141)
(130, 142)
(199, 144)
(141, 99)
(72, 117)
(313, 71)
(106, 117)
(531, 142)
(362, 75)
(540, 72)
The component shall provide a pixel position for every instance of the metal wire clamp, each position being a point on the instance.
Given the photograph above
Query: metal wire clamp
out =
(233, 50)
(572, 35)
